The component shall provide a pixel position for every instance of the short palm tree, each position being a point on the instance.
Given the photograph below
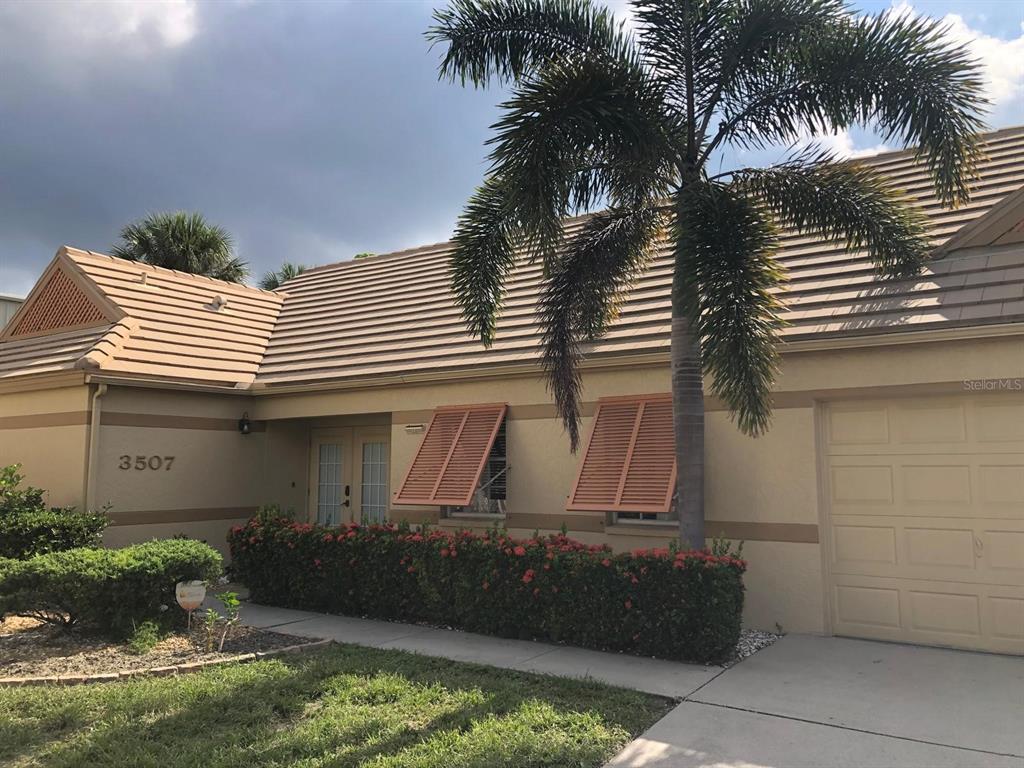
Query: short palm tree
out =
(634, 124)
(271, 281)
(182, 241)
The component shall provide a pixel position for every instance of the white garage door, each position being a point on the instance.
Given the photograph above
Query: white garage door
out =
(927, 520)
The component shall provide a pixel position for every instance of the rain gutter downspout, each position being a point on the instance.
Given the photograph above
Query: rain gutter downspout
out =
(94, 445)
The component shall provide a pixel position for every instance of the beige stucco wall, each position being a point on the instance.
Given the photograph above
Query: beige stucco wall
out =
(46, 431)
(215, 479)
(764, 490)
(770, 482)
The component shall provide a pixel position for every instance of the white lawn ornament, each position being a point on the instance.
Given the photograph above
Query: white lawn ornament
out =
(190, 595)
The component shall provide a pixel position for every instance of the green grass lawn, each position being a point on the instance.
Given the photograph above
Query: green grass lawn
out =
(346, 706)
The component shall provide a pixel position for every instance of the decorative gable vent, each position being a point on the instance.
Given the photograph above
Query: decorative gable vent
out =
(58, 304)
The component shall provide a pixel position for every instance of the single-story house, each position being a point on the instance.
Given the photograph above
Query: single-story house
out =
(887, 500)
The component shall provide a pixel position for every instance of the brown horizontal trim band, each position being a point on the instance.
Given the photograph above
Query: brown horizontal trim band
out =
(515, 413)
(159, 516)
(39, 420)
(151, 420)
(583, 523)
(791, 533)
(414, 516)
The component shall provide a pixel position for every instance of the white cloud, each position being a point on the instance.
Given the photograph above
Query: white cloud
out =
(1002, 61)
(842, 144)
(126, 26)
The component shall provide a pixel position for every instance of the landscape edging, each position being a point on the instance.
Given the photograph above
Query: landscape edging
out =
(128, 674)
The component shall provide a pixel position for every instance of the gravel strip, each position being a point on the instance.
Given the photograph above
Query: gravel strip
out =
(751, 641)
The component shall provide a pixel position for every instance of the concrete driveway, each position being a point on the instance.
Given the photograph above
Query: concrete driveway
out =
(823, 702)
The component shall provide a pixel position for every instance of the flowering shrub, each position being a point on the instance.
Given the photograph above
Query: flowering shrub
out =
(661, 602)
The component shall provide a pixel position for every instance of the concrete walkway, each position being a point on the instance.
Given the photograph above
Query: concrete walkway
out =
(805, 701)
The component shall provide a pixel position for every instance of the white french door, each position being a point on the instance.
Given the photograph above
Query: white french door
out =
(349, 475)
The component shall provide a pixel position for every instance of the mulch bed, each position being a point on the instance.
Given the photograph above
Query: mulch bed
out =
(30, 648)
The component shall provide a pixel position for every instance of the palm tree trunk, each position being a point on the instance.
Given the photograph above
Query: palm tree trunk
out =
(688, 420)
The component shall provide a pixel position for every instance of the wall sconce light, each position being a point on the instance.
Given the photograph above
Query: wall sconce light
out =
(244, 425)
(413, 428)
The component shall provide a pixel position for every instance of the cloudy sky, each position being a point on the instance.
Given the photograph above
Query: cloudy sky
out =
(310, 130)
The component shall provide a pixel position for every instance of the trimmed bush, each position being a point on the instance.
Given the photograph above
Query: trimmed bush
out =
(38, 532)
(28, 528)
(111, 591)
(662, 602)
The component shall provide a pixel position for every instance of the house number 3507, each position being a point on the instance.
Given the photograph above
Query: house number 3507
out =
(140, 463)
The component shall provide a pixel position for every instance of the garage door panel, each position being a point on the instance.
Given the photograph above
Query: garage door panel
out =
(945, 548)
(930, 613)
(980, 485)
(935, 424)
(926, 520)
(852, 427)
(1000, 422)
(992, 423)
(1007, 618)
(968, 550)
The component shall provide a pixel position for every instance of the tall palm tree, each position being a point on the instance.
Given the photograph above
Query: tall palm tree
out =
(182, 241)
(635, 123)
(271, 281)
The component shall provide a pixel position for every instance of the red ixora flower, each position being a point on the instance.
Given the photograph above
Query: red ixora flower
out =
(519, 551)
(444, 552)
(328, 537)
(629, 604)
(528, 576)
(606, 562)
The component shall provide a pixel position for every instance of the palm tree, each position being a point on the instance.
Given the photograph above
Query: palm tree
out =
(636, 123)
(272, 280)
(182, 241)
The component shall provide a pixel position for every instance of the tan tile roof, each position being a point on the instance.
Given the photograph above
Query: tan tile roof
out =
(173, 326)
(393, 315)
(47, 354)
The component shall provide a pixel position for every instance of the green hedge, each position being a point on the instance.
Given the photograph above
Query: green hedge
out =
(28, 533)
(28, 528)
(106, 590)
(678, 605)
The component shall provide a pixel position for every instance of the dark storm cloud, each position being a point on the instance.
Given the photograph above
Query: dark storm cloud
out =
(310, 131)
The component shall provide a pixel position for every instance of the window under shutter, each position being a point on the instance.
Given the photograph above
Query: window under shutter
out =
(629, 462)
(447, 467)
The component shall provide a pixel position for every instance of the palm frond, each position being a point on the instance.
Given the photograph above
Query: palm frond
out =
(895, 72)
(484, 255)
(507, 41)
(578, 133)
(582, 292)
(725, 274)
(846, 201)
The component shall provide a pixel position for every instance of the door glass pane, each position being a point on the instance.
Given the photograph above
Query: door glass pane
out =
(374, 490)
(329, 490)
